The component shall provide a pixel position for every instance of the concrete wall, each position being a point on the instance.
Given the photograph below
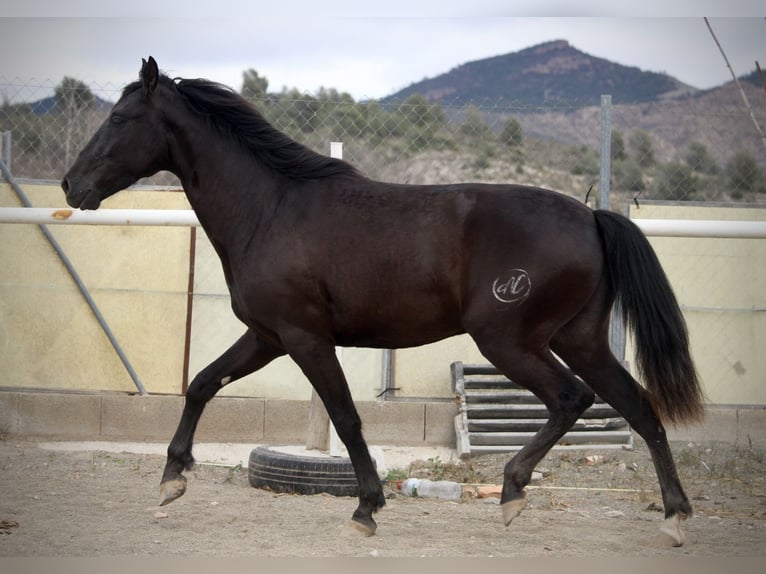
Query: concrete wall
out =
(120, 417)
(113, 416)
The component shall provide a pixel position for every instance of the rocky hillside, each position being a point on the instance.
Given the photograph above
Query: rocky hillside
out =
(553, 71)
(554, 89)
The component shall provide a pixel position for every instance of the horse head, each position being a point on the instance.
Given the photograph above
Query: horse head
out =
(129, 145)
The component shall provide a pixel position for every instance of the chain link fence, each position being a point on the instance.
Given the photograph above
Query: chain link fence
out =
(701, 149)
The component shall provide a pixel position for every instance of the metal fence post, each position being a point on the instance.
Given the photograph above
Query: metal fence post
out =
(606, 151)
(5, 145)
(617, 339)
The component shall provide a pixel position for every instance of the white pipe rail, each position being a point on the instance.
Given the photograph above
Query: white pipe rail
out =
(52, 215)
(702, 228)
(186, 217)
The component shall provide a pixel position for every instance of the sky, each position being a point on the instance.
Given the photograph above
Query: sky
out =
(368, 49)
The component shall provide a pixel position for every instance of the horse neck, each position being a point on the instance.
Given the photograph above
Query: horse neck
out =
(230, 191)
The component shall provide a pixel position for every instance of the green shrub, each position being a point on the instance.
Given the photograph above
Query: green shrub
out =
(677, 181)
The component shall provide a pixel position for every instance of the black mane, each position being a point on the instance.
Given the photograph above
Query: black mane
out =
(233, 116)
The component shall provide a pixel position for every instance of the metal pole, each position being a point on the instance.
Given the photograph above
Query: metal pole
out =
(606, 151)
(616, 324)
(739, 86)
(6, 147)
(80, 285)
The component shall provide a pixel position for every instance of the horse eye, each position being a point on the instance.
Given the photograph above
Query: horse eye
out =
(116, 120)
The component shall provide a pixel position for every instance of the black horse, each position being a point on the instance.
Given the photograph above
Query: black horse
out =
(317, 255)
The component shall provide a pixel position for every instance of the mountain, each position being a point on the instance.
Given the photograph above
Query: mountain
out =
(553, 71)
(49, 105)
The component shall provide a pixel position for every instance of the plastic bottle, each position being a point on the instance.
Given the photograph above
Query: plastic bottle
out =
(444, 489)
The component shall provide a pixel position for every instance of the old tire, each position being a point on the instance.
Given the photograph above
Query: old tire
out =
(283, 472)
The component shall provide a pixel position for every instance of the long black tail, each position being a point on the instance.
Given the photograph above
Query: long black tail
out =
(651, 310)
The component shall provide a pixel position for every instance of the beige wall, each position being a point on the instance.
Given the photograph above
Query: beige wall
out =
(425, 371)
(139, 276)
(721, 285)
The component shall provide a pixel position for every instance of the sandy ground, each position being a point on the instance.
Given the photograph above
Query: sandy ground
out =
(100, 499)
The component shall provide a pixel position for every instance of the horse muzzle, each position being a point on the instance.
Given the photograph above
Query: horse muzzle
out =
(87, 198)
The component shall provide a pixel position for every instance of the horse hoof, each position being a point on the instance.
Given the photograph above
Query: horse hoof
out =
(670, 534)
(364, 528)
(172, 489)
(512, 508)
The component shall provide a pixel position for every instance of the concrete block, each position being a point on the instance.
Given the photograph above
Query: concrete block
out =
(719, 425)
(752, 427)
(228, 419)
(392, 422)
(440, 424)
(133, 417)
(285, 422)
(63, 416)
(9, 413)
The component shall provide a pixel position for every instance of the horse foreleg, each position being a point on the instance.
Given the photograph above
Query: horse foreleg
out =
(248, 354)
(319, 363)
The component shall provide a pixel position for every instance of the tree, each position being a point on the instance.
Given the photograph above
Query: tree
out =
(512, 134)
(743, 173)
(640, 143)
(628, 175)
(473, 123)
(420, 121)
(417, 111)
(585, 161)
(699, 159)
(676, 181)
(300, 112)
(254, 86)
(73, 98)
(617, 153)
(340, 113)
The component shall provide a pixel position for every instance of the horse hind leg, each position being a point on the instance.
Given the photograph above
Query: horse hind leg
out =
(566, 399)
(248, 354)
(587, 353)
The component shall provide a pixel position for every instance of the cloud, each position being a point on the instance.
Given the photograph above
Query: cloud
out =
(359, 52)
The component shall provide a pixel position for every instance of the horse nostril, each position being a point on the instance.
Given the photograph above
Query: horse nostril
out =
(65, 185)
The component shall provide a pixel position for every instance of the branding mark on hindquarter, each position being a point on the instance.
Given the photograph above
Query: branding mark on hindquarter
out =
(512, 286)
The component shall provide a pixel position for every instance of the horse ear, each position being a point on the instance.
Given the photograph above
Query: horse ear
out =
(149, 75)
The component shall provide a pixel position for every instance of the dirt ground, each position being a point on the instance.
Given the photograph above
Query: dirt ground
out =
(95, 504)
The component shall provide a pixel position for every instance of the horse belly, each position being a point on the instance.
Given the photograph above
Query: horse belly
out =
(404, 315)
(399, 336)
